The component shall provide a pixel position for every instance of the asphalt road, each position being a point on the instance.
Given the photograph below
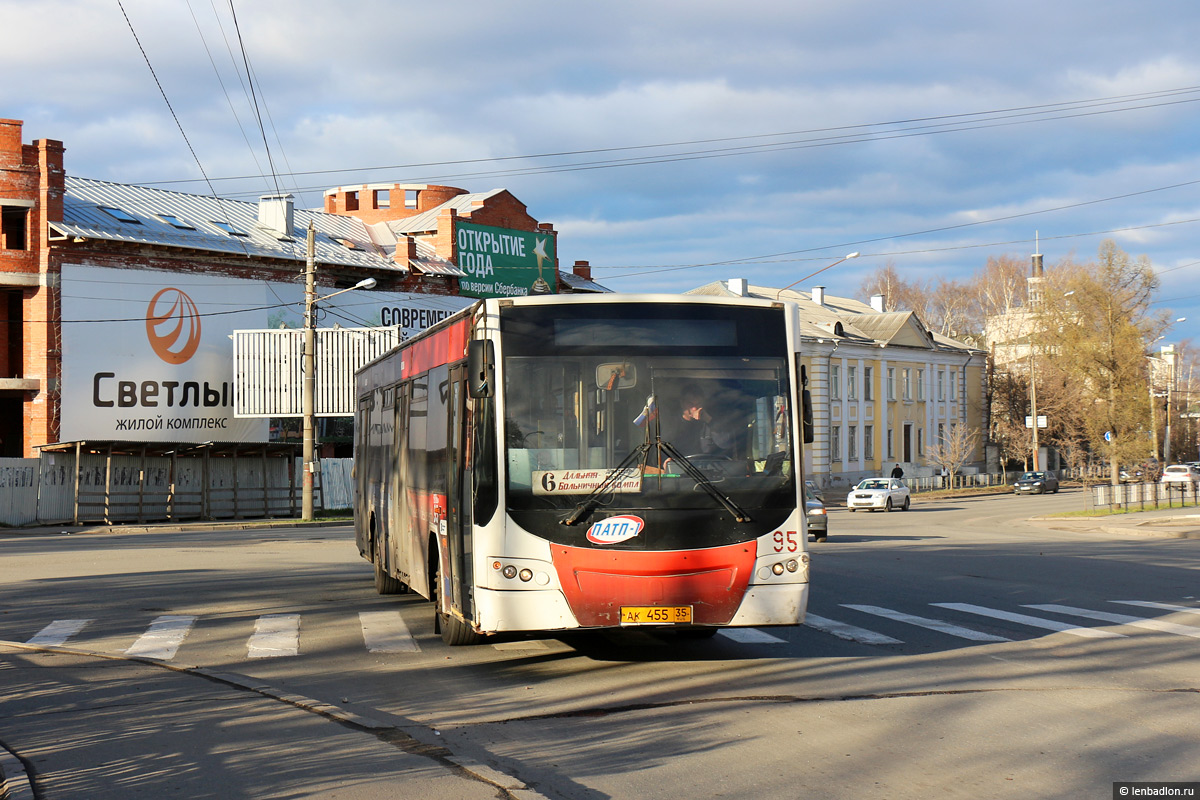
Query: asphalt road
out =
(953, 650)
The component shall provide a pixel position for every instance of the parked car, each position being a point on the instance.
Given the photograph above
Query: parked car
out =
(818, 517)
(812, 487)
(878, 493)
(1181, 475)
(1036, 483)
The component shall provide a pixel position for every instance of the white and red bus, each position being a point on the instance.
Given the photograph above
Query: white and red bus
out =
(526, 465)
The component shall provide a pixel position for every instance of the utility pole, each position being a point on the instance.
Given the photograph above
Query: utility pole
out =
(308, 397)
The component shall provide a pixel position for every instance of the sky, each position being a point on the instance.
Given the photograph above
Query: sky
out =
(670, 143)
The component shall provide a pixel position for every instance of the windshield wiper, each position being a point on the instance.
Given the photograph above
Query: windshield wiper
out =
(689, 469)
(703, 481)
(618, 474)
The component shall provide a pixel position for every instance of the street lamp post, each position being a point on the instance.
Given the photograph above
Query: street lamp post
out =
(308, 365)
(846, 257)
(1036, 444)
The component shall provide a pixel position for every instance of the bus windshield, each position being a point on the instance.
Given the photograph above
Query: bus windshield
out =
(706, 385)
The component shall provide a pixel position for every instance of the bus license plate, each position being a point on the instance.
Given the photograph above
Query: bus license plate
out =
(655, 615)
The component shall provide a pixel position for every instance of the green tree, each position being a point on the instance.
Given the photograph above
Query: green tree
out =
(1093, 323)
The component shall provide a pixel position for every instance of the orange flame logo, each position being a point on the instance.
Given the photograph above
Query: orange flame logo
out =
(173, 326)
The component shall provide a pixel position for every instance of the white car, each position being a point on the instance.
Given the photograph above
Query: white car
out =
(1182, 475)
(878, 493)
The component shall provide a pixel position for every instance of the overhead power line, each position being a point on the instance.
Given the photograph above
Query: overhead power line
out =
(814, 137)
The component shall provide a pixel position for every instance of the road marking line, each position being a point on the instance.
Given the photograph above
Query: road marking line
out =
(932, 624)
(850, 633)
(1036, 622)
(750, 636)
(275, 635)
(1164, 606)
(1121, 619)
(522, 644)
(163, 637)
(385, 632)
(58, 631)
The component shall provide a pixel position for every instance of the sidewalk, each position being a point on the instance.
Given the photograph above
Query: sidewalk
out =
(174, 527)
(90, 725)
(1177, 523)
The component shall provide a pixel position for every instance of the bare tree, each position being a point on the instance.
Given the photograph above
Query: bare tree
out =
(956, 448)
(898, 294)
(1001, 286)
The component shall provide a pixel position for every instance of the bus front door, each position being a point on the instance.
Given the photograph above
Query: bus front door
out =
(458, 500)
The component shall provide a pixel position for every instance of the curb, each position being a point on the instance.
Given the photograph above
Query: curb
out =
(14, 781)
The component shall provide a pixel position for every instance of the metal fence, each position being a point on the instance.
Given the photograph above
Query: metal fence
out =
(126, 488)
(1145, 496)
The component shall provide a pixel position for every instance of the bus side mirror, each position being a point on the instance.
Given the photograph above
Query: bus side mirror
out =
(807, 416)
(806, 409)
(481, 368)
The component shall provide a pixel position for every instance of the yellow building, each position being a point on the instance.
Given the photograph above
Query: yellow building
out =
(884, 387)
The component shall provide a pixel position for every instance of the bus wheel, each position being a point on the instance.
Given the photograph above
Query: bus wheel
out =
(455, 632)
(384, 583)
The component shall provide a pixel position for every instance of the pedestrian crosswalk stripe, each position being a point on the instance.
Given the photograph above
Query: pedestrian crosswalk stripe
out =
(275, 635)
(385, 632)
(1025, 619)
(850, 633)
(1122, 619)
(522, 644)
(932, 624)
(750, 636)
(163, 638)
(1163, 606)
(58, 631)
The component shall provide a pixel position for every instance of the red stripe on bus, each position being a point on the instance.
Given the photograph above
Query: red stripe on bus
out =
(598, 581)
(444, 347)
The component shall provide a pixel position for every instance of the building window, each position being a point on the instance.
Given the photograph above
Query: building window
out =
(953, 387)
(835, 382)
(835, 443)
(383, 198)
(920, 441)
(868, 442)
(352, 201)
(941, 440)
(908, 394)
(228, 228)
(122, 215)
(868, 383)
(852, 444)
(941, 389)
(891, 386)
(891, 447)
(920, 384)
(851, 383)
(13, 228)
(175, 222)
(410, 198)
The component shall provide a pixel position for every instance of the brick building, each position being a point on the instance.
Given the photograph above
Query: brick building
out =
(84, 262)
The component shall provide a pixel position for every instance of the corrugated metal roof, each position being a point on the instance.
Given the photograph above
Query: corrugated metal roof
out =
(429, 262)
(860, 322)
(426, 221)
(579, 284)
(83, 216)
